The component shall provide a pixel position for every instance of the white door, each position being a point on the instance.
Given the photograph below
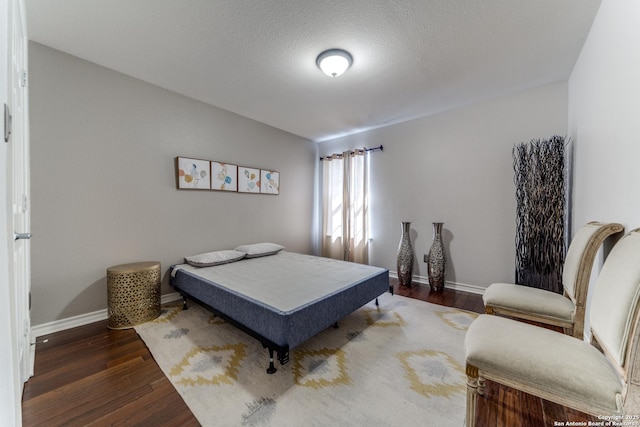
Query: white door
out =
(20, 271)
(14, 214)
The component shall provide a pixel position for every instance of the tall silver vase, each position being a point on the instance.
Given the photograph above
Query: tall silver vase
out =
(436, 260)
(405, 256)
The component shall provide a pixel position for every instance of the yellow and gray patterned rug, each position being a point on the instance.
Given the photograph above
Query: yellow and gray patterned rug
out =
(401, 364)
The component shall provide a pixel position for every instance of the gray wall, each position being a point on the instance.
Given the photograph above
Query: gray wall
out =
(604, 94)
(103, 189)
(103, 185)
(103, 181)
(456, 167)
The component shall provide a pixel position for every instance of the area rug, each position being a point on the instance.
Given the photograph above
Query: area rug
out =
(399, 364)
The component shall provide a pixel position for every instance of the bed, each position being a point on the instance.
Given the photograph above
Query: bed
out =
(282, 299)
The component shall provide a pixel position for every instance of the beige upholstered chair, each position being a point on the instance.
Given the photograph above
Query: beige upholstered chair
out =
(598, 378)
(550, 308)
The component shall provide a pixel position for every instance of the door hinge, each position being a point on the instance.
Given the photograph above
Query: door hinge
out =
(7, 123)
(24, 79)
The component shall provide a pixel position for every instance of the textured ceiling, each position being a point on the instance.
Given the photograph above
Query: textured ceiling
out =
(257, 58)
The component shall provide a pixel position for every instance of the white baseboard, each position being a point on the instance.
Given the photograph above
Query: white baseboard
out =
(421, 280)
(83, 319)
(97, 316)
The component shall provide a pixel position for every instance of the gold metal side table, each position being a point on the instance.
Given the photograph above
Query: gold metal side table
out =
(133, 294)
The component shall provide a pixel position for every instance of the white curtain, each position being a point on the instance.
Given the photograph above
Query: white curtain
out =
(345, 227)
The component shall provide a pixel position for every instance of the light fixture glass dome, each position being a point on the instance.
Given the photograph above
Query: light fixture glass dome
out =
(334, 62)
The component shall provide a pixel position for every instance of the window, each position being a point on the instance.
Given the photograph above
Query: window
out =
(345, 214)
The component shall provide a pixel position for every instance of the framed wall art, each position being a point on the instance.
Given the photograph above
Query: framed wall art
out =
(269, 182)
(193, 174)
(248, 180)
(224, 176)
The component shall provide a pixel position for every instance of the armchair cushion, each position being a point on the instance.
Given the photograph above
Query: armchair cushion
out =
(616, 296)
(538, 359)
(529, 300)
(574, 257)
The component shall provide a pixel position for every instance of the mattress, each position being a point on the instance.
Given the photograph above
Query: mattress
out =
(284, 298)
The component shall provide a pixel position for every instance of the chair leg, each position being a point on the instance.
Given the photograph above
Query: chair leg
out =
(475, 387)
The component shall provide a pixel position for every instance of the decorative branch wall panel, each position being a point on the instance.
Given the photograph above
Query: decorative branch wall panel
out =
(539, 178)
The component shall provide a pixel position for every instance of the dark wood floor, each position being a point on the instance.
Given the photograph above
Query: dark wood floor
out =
(94, 376)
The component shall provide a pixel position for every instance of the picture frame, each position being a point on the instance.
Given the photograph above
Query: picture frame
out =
(269, 182)
(224, 176)
(193, 174)
(248, 180)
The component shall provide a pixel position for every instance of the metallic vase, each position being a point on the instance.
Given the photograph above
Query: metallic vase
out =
(436, 260)
(405, 256)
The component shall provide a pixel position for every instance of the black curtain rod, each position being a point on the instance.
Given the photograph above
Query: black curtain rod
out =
(339, 155)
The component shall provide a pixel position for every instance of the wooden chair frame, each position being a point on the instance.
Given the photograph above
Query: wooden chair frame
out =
(628, 372)
(575, 328)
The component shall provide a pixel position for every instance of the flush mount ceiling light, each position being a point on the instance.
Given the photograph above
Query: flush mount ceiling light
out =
(334, 62)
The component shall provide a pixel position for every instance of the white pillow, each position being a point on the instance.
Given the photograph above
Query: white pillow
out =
(214, 258)
(260, 249)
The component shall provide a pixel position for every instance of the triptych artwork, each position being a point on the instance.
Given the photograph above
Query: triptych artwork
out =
(197, 174)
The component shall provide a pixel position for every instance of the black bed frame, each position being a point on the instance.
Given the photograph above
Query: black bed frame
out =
(281, 351)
